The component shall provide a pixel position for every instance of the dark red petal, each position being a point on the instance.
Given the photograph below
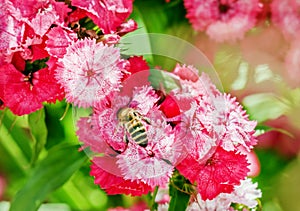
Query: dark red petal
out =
(18, 61)
(170, 107)
(39, 51)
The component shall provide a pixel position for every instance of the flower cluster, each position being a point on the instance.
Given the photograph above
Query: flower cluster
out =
(140, 136)
(40, 41)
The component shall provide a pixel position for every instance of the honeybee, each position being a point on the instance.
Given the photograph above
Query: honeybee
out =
(133, 122)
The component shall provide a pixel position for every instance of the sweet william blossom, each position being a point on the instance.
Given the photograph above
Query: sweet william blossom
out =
(152, 163)
(24, 92)
(223, 20)
(89, 72)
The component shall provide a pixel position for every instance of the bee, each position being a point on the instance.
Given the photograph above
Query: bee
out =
(133, 122)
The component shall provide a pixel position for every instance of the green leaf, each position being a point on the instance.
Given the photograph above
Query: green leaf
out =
(160, 79)
(179, 200)
(49, 174)
(264, 106)
(180, 190)
(38, 131)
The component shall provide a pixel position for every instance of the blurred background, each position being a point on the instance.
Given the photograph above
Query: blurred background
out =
(253, 69)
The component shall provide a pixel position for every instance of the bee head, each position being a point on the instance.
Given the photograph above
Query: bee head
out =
(122, 114)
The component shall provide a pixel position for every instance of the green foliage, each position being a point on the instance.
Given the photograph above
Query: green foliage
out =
(265, 106)
(180, 190)
(49, 174)
(38, 132)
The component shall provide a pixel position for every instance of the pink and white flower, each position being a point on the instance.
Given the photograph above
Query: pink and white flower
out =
(89, 72)
(153, 163)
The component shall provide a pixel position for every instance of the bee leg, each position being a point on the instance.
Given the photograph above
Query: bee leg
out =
(147, 120)
(125, 138)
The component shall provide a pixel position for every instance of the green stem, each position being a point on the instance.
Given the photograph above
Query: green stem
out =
(153, 198)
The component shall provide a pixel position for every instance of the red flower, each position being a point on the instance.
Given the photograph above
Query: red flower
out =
(218, 174)
(24, 93)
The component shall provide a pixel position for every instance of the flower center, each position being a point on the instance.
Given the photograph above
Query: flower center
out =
(150, 153)
(210, 162)
(28, 78)
(90, 73)
(223, 8)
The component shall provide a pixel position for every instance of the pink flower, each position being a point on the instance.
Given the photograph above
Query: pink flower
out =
(89, 72)
(218, 174)
(225, 20)
(245, 194)
(151, 162)
(210, 118)
(108, 15)
(286, 17)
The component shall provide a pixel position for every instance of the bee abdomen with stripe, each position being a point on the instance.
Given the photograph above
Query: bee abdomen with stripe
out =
(133, 122)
